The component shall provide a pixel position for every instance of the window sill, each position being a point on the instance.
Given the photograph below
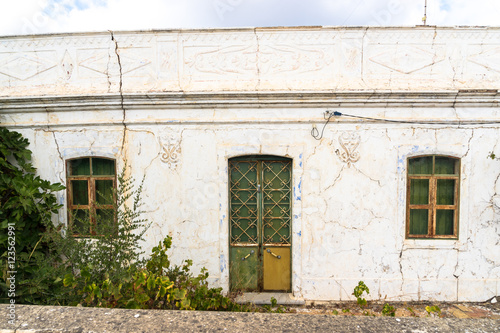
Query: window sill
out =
(430, 244)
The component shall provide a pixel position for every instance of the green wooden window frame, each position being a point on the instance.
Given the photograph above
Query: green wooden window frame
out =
(433, 185)
(91, 188)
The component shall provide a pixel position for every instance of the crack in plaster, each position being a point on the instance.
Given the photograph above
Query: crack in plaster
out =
(454, 107)
(257, 58)
(336, 179)
(363, 55)
(370, 178)
(108, 76)
(455, 275)
(121, 92)
(12, 119)
(392, 71)
(152, 160)
(58, 149)
(55, 140)
(401, 271)
(434, 57)
(468, 143)
(496, 184)
(387, 135)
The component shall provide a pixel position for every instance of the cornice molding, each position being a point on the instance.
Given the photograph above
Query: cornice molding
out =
(210, 100)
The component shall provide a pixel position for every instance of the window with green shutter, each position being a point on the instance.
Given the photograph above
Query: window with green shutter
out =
(91, 183)
(432, 197)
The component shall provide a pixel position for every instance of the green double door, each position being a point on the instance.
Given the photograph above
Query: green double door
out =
(260, 215)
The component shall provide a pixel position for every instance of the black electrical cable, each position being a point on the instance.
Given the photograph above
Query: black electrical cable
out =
(314, 131)
(336, 113)
(329, 115)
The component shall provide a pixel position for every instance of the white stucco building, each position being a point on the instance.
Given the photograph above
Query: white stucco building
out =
(222, 123)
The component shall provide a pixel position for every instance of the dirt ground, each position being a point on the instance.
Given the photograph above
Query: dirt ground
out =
(400, 309)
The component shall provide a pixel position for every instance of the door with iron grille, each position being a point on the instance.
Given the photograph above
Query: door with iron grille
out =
(260, 215)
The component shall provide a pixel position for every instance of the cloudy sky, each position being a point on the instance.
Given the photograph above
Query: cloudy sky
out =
(52, 16)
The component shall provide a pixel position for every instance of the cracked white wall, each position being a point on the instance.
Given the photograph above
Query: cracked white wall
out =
(177, 105)
(349, 221)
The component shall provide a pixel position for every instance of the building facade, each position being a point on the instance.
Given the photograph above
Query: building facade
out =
(300, 160)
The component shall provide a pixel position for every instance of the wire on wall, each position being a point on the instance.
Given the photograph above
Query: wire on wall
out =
(329, 115)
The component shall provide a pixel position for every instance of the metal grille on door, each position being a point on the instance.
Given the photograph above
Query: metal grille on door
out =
(260, 223)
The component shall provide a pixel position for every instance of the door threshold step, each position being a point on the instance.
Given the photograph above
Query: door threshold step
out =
(265, 298)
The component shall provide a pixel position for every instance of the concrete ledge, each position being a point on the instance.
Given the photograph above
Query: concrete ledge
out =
(265, 298)
(77, 319)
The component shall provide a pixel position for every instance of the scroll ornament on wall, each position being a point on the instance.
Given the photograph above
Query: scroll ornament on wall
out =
(349, 142)
(170, 152)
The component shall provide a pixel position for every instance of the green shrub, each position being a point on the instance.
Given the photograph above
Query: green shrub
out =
(152, 284)
(108, 253)
(27, 203)
(433, 310)
(388, 310)
(358, 292)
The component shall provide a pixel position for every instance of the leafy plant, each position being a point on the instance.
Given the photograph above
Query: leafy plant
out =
(152, 284)
(388, 310)
(413, 314)
(358, 292)
(274, 307)
(433, 310)
(107, 254)
(27, 203)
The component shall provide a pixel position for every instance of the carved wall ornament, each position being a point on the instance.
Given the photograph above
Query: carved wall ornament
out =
(25, 65)
(133, 58)
(236, 59)
(292, 59)
(95, 60)
(170, 152)
(349, 142)
(489, 59)
(67, 65)
(408, 59)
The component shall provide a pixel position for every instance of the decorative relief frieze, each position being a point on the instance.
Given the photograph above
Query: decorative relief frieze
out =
(94, 60)
(299, 37)
(398, 35)
(292, 59)
(135, 40)
(348, 142)
(316, 59)
(131, 59)
(237, 59)
(201, 38)
(406, 59)
(170, 151)
(489, 59)
(67, 65)
(167, 59)
(25, 65)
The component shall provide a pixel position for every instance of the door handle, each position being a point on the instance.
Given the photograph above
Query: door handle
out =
(248, 255)
(273, 254)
